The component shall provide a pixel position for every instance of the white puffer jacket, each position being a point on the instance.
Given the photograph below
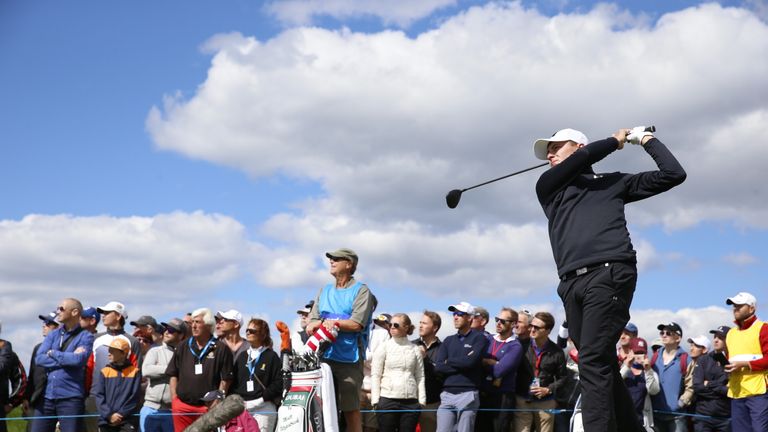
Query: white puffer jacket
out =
(397, 371)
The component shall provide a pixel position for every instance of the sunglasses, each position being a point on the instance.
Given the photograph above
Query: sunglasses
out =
(251, 331)
(459, 314)
(171, 330)
(535, 327)
(666, 333)
(502, 320)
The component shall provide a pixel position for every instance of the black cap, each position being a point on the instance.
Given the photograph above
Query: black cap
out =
(145, 320)
(721, 331)
(673, 327)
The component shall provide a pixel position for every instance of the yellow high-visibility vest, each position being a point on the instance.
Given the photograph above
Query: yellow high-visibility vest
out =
(744, 345)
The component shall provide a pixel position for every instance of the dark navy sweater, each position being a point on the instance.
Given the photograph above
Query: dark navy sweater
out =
(586, 210)
(459, 361)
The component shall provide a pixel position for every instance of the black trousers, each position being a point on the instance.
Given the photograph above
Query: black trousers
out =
(498, 420)
(597, 309)
(394, 421)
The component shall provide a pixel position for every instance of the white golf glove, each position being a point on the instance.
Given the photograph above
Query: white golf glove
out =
(637, 134)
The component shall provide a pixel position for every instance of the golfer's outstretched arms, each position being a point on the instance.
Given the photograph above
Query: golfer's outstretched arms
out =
(648, 184)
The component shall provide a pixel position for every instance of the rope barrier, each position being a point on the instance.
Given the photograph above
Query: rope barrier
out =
(554, 411)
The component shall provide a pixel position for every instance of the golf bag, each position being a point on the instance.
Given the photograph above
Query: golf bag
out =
(309, 398)
(310, 404)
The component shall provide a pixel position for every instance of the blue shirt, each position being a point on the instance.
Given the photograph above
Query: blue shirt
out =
(65, 368)
(671, 381)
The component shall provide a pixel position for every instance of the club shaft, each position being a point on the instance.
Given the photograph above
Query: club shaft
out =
(508, 175)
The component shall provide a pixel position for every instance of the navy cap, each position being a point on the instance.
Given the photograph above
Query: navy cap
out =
(721, 331)
(91, 312)
(49, 318)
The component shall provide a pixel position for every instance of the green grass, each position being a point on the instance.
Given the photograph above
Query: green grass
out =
(16, 425)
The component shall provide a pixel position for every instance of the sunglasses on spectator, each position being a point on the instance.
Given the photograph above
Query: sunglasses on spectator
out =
(459, 314)
(502, 320)
(666, 333)
(251, 331)
(171, 330)
(535, 327)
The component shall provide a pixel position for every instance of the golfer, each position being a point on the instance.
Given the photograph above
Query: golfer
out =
(595, 259)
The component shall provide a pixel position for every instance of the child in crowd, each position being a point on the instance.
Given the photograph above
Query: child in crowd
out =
(116, 390)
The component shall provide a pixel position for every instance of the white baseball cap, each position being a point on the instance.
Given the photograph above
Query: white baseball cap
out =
(742, 298)
(231, 315)
(114, 306)
(701, 341)
(540, 146)
(465, 307)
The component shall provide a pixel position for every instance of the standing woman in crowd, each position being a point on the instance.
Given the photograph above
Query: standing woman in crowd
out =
(397, 379)
(258, 378)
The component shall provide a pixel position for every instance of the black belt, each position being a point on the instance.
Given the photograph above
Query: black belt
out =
(583, 270)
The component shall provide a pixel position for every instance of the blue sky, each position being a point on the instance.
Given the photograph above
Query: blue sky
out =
(182, 154)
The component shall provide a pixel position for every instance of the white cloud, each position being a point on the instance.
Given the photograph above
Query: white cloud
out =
(399, 12)
(156, 265)
(387, 124)
(741, 259)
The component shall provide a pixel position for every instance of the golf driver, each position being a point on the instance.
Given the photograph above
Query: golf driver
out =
(453, 197)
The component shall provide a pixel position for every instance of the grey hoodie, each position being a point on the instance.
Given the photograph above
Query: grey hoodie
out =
(158, 394)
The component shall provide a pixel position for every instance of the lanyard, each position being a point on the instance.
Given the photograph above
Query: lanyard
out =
(251, 362)
(200, 356)
(538, 360)
(495, 349)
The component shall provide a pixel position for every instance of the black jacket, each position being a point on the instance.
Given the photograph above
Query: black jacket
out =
(432, 381)
(586, 210)
(552, 372)
(711, 399)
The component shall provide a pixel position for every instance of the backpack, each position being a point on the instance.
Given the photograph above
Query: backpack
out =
(18, 380)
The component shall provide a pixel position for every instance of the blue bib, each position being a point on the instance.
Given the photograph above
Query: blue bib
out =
(336, 304)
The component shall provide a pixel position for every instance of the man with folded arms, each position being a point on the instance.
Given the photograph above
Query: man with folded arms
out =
(64, 354)
(710, 385)
(459, 361)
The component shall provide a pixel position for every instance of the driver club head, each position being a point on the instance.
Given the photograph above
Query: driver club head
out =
(453, 197)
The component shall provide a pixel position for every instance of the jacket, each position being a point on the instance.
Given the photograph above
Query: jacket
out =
(712, 397)
(158, 394)
(432, 382)
(397, 372)
(116, 390)
(551, 371)
(65, 368)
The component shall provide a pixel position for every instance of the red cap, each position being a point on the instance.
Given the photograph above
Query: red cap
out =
(638, 345)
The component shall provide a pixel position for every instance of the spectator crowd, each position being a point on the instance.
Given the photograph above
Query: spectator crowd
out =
(89, 373)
